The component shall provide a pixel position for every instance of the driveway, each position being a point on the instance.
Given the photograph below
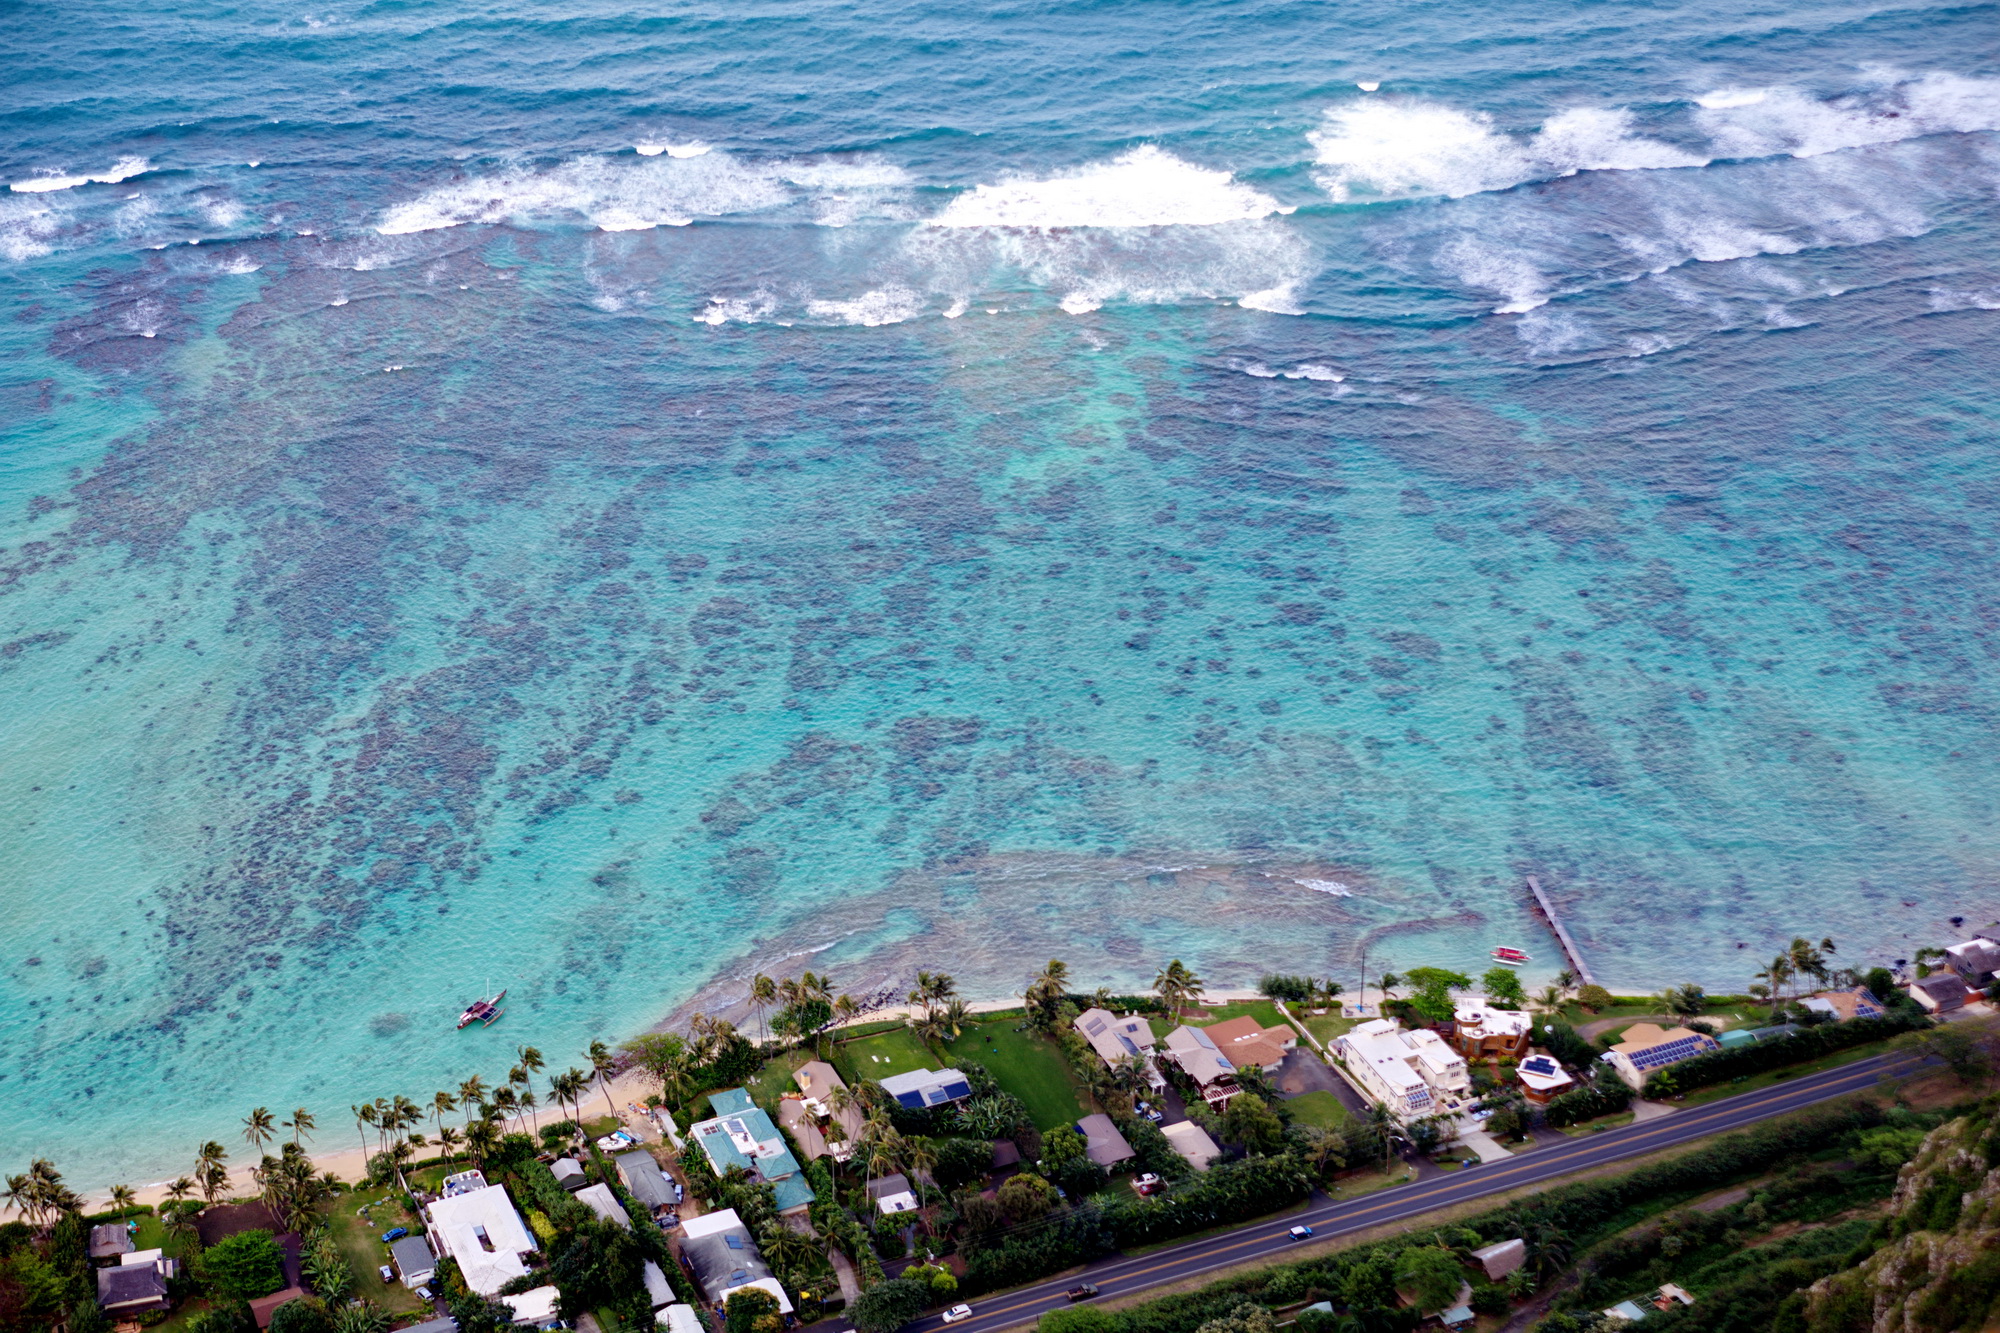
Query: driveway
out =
(1302, 1071)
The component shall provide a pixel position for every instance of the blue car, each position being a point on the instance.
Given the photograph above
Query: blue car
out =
(394, 1233)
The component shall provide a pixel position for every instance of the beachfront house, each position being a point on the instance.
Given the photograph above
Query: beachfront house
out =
(1102, 1143)
(110, 1240)
(477, 1226)
(1845, 1004)
(1411, 1073)
(1118, 1039)
(1481, 1032)
(1192, 1142)
(1543, 1080)
(742, 1135)
(1251, 1045)
(1976, 961)
(719, 1250)
(922, 1088)
(808, 1114)
(1940, 992)
(1199, 1058)
(1648, 1048)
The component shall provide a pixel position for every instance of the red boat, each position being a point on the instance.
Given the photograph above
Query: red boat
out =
(483, 1011)
(1511, 957)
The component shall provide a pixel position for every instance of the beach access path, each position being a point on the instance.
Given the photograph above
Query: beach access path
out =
(1269, 1240)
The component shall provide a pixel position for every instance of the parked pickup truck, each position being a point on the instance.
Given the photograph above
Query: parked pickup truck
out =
(1082, 1291)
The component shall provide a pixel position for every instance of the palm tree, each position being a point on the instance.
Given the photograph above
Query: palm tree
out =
(785, 1249)
(955, 1016)
(1567, 980)
(480, 1139)
(531, 1062)
(181, 1226)
(505, 1100)
(1048, 987)
(257, 1127)
(441, 1101)
(179, 1189)
(816, 986)
(846, 1009)
(364, 1117)
(470, 1094)
(603, 1064)
(1549, 999)
(448, 1141)
(122, 1198)
(302, 1122)
(1177, 986)
(209, 1168)
(763, 994)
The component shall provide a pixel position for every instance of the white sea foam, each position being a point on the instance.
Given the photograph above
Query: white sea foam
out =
(1388, 149)
(124, 169)
(1779, 121)
(1146, 187)
(738, 309)
(886, 305)
(1327, 886)
(1946, 299)
(618, 193)
(28, 228)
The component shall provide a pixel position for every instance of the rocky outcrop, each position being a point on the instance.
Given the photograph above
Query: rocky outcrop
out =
(1938, 1271)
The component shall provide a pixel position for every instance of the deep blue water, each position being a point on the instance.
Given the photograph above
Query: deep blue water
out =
(603, 503)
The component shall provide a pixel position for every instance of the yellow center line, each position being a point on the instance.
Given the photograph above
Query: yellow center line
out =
(1399, 1200)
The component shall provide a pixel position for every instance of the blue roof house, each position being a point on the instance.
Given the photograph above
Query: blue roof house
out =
(742, 1135)
(922, 1088)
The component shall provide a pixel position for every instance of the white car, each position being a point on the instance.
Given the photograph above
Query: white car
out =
(956, 1313)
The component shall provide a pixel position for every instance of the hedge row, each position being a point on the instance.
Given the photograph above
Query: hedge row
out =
(1756, 1057)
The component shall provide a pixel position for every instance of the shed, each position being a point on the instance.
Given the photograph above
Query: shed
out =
(536, 1308)
(680, 1319)
(1501, 1259)
(658, 1290)
(264, 1307)
(413, 1259)
(109, 1240)
(569, 1174)
(605, 1204)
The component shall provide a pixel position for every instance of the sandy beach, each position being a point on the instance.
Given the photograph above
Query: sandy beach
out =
(629, 1088)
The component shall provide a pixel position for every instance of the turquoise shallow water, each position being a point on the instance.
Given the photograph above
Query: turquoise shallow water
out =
(607, 504)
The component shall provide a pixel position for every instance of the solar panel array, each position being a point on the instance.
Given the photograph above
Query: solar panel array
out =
(1667, 1052)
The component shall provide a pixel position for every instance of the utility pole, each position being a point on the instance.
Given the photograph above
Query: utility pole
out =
(1363, 1002)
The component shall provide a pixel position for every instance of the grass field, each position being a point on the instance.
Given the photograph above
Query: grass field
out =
(1027, 1065)
(1328, 1026)
(1263, 1011)
(1318, 1108)
(775, 1079)
(360, 1239)
(891, 1051)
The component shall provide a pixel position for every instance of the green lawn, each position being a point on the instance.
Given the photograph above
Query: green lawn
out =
(892, 1051)
(1028, 1065)
(1328, 1026)
(1318, 1108)
(360, 1239)
(775, 1079)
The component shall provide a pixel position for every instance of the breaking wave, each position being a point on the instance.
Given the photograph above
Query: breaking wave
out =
(1146, 187)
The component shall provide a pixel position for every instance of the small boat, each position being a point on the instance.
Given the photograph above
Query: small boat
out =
(1511, 957)
(483, 1011)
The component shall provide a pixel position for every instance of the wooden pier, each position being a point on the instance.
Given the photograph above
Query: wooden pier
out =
(1570, 951)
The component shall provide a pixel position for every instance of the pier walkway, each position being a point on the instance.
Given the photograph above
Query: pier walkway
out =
(1570, 951)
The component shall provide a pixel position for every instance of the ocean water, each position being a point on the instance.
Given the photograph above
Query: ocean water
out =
(601, 502)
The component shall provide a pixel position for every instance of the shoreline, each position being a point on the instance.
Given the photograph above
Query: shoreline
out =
(630, 1087)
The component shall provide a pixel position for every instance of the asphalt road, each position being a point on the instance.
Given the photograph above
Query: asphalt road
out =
(1269, 1240)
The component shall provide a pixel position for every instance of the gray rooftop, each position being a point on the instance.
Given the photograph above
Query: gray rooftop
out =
(642, 1176)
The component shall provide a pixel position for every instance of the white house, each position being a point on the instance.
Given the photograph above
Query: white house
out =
(1411, 1073)
(481, 1230)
